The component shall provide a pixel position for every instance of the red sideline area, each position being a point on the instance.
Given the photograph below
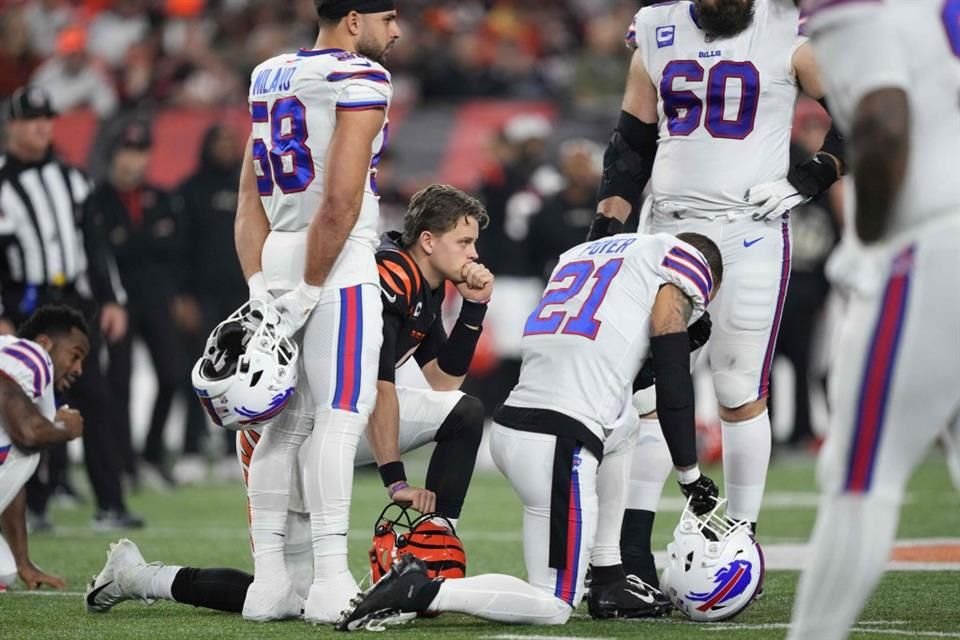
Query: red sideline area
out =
(178, 133)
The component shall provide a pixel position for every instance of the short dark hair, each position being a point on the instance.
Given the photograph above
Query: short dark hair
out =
(437, 209)
(53, 320)
(710, 251)
(325, 21)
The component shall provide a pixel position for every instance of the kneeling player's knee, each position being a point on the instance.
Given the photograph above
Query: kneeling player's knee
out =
(465, 421)
(734, 390)
(562, 613)
(7, 579)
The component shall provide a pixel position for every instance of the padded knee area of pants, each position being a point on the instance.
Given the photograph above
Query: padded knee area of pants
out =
(465, 420)
(8, 579)
(734, 388)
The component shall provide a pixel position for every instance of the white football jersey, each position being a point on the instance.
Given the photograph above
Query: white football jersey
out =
(912, 45)
(585, 342)
(725, 106)
(29, 365)
(294, 100)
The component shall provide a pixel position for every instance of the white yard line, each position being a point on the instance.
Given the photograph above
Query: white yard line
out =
(863, 627)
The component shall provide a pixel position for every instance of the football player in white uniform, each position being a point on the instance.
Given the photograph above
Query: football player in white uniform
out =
(892, 70)
(437, 245)
(706, 119)
(609, 303)
(307, 232)
(46, 356)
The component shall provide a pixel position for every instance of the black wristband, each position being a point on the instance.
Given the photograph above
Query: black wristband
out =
(602, 226)
(392, 472)
(472, 313)
(675, 400)
(815, 176)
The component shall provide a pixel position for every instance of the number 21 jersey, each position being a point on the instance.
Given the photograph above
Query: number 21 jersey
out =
(725, 106)
(585, 342)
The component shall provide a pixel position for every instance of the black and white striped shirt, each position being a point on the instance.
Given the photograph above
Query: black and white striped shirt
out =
(47, 237)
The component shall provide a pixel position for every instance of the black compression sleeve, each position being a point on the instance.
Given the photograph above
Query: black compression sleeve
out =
(675, 400)
(454, 359)
(628, 159)
(388, 349)
(219, 589)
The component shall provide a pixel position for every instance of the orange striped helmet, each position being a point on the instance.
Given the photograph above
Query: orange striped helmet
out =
(430, 537)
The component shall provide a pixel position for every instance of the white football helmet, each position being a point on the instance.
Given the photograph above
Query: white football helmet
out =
(248, 371)
(715, 567)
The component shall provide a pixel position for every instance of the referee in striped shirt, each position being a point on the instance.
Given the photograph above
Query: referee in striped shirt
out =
(53, 251)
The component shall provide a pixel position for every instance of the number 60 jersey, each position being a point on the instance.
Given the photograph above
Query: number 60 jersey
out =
(725, 105)
(294, 102)
(585, 342)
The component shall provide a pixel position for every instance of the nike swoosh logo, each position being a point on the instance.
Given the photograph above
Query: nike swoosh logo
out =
(391, 298)
(92, 596)
(646, 597)
(361, 64)
(750, 243)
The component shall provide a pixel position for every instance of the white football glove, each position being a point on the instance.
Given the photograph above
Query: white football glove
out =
(257, 285)
(295, 307)
(774, 199)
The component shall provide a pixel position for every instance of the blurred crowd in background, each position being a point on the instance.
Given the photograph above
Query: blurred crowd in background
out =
(130, 61)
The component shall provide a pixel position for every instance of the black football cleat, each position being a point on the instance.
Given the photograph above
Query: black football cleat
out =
(395, 599)
(630, 598)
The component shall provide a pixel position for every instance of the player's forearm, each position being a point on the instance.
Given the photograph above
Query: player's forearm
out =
(25, 426)
(13, 523)
(383, 428)
(880, 136)
(251, 226)
(440, 380)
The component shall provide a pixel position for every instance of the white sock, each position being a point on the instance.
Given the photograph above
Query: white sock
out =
(328, 480)
(650, 468)
(612, 476)
(746, 456)
(298, 552)
(848, 552)
(500, 598)
(160, 584)
(268, 492)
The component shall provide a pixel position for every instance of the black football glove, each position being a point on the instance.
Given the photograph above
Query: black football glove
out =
(699, 331)
(702, 494)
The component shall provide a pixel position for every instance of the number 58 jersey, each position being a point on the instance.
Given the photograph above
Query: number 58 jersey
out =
(725, 106)
(294, 102)
(585, 342)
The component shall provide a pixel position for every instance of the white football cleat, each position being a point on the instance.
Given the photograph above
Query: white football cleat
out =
(267, 601)
(107, 589)
(328, 598)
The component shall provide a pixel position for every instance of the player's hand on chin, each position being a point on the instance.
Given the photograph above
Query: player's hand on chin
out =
(34, 578)
(477, 285)
(421, 500)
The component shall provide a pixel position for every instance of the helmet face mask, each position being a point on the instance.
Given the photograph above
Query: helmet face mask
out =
(430, 537)
(715, 567)
(248, 371)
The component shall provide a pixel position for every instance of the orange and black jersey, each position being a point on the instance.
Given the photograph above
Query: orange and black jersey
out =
(412, 323)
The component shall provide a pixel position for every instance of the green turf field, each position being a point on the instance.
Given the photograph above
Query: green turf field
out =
(205, 527)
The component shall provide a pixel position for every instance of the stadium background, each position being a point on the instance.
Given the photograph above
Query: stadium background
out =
(511, 100)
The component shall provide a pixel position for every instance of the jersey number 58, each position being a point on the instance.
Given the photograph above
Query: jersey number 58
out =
(288, 162)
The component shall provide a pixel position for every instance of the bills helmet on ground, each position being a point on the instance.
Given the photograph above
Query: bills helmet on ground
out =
(248, 372)
(715, 567)
(430, 537)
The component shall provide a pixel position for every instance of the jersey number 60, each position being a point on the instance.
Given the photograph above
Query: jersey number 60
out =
(684, 109)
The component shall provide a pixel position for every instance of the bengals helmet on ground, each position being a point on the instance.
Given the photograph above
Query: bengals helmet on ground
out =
(430, 537)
